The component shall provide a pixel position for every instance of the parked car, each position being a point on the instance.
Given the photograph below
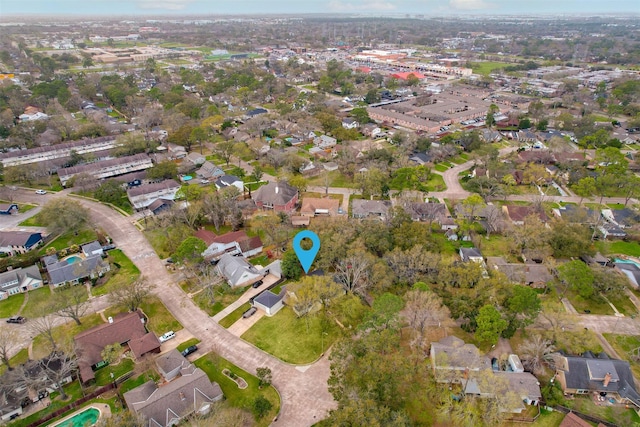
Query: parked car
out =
(17, 319)
(41, 192)
(249, 313)
(167, 336)
(257, 284)
(191, 349)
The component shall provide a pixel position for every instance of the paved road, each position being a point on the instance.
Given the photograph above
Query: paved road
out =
(305, 397)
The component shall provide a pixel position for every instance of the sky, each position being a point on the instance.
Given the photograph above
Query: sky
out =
(364, 7)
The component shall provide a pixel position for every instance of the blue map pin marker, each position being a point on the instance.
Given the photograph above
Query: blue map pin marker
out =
(305, 256)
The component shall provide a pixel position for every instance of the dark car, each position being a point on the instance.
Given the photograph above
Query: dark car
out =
(257, 284)
(16, 319)
(191, 349)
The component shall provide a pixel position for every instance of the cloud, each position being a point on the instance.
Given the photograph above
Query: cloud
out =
(469, 4)
(360, 6)
(163, 4)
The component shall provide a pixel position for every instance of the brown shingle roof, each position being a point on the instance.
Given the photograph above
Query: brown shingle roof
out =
(206, 236)
(90, 343)
(143, 345)
(311, 204)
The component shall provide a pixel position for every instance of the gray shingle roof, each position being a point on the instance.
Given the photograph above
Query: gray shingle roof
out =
(162, 406)
(269, 299)
(275, 194)
(63, 271)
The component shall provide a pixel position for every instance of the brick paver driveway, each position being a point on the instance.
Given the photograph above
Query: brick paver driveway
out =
(305, 397)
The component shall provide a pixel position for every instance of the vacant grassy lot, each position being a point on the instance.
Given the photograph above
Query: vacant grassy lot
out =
(40, 303)
(213, 365)
(160, 320)
(619, 247)
(486, 68)
(289, 339)
(236, 314)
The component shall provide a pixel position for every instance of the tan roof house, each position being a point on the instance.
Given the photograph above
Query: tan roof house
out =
(312, 206)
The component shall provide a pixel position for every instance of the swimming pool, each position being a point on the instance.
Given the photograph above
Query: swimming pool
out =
(187, 178)
(73, 259)
(626, 261)
(88, 417)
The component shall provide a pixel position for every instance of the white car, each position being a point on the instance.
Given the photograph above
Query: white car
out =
(41, 192)
(167, 336)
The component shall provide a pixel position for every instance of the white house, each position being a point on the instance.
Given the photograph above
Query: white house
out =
(229, 180)
(237, 270)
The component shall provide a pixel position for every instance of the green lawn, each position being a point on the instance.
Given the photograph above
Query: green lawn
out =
(160, 320)
(70, 238)
(213, 366)
(21, 357)
(623, 345)
(39, 302)
(582, 304)
(486, 68)
(10, 306)
(546, 419)
(63, 335)
(441, 168)
(34, 221)
(618, 415)
(123, 271)
(224, 297)
(134, 382)
(236, 314)
(74, 392)
(619, 247)
(188, 343)
(287, 338)
(103, 376)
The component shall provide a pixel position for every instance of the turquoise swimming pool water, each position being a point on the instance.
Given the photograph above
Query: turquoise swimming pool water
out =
(73, 258)
(187, 178)
(83, 419)
(626, 261)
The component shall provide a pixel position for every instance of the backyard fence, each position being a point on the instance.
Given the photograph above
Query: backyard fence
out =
(72, 405)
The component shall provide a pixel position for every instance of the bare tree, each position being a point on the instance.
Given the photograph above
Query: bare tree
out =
(51, 371)
(353, 273)
(133, 295)
(44, 326)
(9, 339)
(493, 219)
(72, 304)
(423, 308)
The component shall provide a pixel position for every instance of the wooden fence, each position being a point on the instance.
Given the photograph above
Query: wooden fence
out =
(72, 405)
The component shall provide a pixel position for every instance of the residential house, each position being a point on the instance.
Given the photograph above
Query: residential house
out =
(229, 180)
(451, 358)
(237, 271)
(378, 209)
(589, 374)
(279, 196)
(325, 142)
(125, 329)
(92, 249)
(330, 166)
(350, 123)
(623, 218)
(310, 169)
(170, 364)
(174, 151)
(426, 212)
(523, 384)
(142, 196)
(74, 268)
(196, 158)
(160, 205)
(233, 243)
(631, 270)
(421, 158)
(19, 280)
(312, 206)
(471, 255)
(371, 129)
(270, 302)
(29, 384)
(209, 171)
(530, 274)
(107, 168)
(256, 112)
(299, 220)
(518, 214)
(168, 404)
(18, 242)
